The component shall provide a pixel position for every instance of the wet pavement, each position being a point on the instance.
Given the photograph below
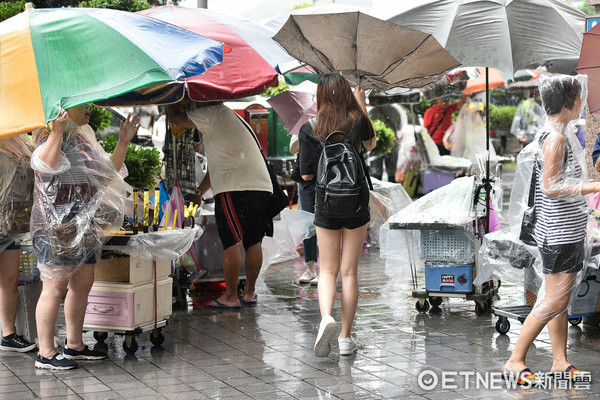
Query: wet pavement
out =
(265, 352)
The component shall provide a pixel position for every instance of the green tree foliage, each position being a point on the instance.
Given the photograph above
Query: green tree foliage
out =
(274, 91)
(124, 5)
(501, 117)
(10, 8)
(99, 118)
(385, 137)
(143, 163)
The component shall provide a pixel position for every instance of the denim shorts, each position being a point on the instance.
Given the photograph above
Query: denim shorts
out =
(45, 256)
(566, 258)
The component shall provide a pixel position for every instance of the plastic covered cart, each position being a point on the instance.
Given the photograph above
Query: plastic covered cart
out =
(443, 231)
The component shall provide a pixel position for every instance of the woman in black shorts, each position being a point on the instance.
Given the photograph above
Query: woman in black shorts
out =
(338, 109)
(560, 229)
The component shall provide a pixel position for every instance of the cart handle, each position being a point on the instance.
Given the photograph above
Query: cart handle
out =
(103, 310)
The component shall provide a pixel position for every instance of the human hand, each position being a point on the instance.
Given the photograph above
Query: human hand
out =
(60, 123)
(359, 92)
(129, 128)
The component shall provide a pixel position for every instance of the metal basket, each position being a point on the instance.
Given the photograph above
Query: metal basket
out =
(28, 271)
(446, 245)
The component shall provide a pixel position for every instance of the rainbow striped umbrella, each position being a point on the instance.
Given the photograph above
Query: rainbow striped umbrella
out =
(64, 57)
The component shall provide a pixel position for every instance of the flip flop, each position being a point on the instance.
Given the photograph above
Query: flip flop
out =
(250, 303)
(525, 377)
(221, 306)
(573, 373)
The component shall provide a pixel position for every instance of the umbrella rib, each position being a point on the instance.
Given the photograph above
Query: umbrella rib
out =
(393, 67)
(356, 49)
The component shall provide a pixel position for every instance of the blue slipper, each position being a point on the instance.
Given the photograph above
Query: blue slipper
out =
(250, 303)
(221, 306)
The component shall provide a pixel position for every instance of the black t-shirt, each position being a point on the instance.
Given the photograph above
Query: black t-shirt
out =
(310, 147)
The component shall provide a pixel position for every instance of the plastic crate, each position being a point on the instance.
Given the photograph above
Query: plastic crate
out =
(434, 179)
(28, 271)
(449, 278)
(446, 245)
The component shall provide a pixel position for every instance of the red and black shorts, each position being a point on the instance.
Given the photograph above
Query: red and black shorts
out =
(242, 217)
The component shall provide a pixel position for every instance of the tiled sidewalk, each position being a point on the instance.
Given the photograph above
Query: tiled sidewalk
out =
(266, 352)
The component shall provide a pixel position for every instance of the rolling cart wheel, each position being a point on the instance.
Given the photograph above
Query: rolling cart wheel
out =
(435, 301)
(481, 308)
(422, 308)
(156, 337)
(575, 321)
(100, 336)
(502, 325)
(129, 344)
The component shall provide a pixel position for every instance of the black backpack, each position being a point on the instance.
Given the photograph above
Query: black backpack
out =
(340, 180)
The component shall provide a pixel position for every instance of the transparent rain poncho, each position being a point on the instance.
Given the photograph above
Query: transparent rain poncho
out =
(553, 170)
(468, 139)
(16, 189)
(77, 204)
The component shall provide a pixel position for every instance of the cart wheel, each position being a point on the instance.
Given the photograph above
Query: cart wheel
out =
(129, 344)
(100, 336)
(481, 308)
(156, 337)
(502, 325)
(422, 308)
(435, 301)
(575, 321)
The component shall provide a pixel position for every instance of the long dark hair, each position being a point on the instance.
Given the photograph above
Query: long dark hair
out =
(337, 108)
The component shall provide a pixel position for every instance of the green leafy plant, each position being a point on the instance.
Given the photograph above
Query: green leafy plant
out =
(501, 117)
(274, 91)
(10, 8)
(385, 137)
(99, 118)
(124, 5)
(143, 163)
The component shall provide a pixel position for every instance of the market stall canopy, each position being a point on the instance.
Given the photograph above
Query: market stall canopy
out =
(52, 59)
(589, 63)
(478, 84)
(252, 60)
(505, 34)
(367, 51)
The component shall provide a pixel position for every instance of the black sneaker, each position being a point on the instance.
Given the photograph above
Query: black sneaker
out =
(85, 354)
(14, 342)
(57, 362)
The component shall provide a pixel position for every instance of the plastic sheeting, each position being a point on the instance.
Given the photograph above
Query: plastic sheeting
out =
(386, 199)
(528, 119)
(468, 139)
(16, 189)
(76, 202)
(161, 245)
(559, 182)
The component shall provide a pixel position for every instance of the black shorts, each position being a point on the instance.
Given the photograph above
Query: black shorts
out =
(44, 255)
(14, 246)
(565, 258)
(349, 223)
(242, 217)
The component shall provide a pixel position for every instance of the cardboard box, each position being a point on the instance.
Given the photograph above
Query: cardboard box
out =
(129, 270)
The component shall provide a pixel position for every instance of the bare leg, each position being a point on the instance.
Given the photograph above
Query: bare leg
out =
(232, 263)
(46, 312)
(558, 328)
(329, 253)
(556, 299)
(9, 295)
(76, 302)
(254, 259)
(352, 240)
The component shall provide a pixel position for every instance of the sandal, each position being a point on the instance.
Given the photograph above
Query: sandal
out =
(523, 378)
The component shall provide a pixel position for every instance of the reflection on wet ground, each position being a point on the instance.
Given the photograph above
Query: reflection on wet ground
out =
(265, 352)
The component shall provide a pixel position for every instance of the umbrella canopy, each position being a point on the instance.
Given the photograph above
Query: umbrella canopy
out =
(295, 107)
(505, 34)
(589, 63)
(366, 50)
(252, 59)
(52, 59)
(495, 79)
(275, 23)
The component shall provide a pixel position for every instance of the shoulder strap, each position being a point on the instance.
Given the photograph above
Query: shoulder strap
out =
(439, 122)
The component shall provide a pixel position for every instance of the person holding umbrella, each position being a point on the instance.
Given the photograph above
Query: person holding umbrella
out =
(76, 198)
(338, 109)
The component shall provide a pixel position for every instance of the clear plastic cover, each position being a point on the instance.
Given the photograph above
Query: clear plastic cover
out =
(528, 119)
(550, 182)
(161, 245)
(468, 139)
(76, 204)
(386, 199)
(16, 189)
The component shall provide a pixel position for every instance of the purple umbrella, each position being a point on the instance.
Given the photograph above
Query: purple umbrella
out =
(295, 107)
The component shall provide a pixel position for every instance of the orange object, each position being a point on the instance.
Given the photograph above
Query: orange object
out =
(478, 84)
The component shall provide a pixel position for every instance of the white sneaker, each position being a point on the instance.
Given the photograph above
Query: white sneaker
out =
(315, 281)
(347, 346)
(307, 276)
(327, 330)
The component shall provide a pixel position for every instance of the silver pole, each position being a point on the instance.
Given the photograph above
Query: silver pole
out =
(202, 3)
